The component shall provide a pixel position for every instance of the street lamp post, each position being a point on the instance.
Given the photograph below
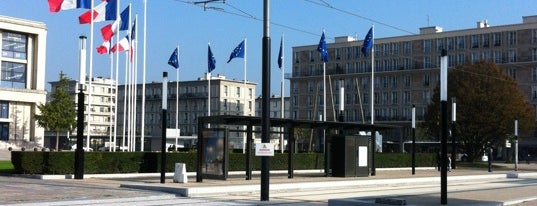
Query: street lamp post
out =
(453, 124)
(516, 144)
(164, 120)
(79, 152)
(413, 139)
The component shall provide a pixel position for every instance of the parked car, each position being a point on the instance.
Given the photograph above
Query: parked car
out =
(87, 149)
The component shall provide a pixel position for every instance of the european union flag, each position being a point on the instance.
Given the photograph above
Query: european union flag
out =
(322, 49)
(368, 42)
(280, 54)
(237, 52)
(211, 60)
(174, 59)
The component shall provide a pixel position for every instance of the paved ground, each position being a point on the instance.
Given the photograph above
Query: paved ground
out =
(112, 190)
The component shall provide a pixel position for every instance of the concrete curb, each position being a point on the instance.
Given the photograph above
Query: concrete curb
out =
(224, 190)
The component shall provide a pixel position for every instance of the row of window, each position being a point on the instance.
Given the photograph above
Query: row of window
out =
(14, 60)
(381, 114)
(405, 48)
(381, 98)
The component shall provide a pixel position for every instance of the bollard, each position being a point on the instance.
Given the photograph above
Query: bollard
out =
(180, 173)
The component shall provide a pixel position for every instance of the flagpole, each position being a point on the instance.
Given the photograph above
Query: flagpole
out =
(142, 132)
(177, 101)
(134, 58)
(90, 78)
(245, 100)
(111, 106)
(282, 94)
(373, 78)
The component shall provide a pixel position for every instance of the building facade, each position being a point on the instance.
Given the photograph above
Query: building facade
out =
(406, 71)
(228, 97)
(22, 79)
(275, 108)
(99, 113)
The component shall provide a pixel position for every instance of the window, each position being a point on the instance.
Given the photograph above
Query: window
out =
(512, 38)
(497, 55)
(13, 75)
(440, 44)
(238, 92)
(225, 104)
(407, 47)
(4, 110)
(533, 93)
(14, 45)
(460, 42)
(238, 105)
(427, 62)
(450, 43)
(338, 53)
(426, 80)
(511, 56)
(225, 91)
(427, 46)
(534, 74)
(486, 40)
(475, 41)
(497, 39)
(250, 93)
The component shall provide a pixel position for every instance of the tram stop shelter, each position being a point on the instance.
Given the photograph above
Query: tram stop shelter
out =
(213, 143)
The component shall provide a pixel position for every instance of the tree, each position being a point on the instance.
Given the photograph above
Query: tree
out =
(59, 114)
(488, 102)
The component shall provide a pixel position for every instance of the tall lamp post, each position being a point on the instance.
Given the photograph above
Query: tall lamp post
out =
(164, 120)
(341, 100)
(413, 139)
(516, 144)
(265, 97)
(79, 153)
(453, 124)
(443, 100)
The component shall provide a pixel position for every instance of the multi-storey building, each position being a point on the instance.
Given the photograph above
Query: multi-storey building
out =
(406, 71)
(275, 110)
(99, 112)
(228, 97)
(22, 79)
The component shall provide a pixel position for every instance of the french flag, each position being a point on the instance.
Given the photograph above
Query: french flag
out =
(56, 5)
(106, 10)
(109, 30)
(122, 45)
(104, 48)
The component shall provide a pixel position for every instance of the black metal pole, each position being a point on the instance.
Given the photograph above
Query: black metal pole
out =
(490, 158)
(374, 150)
(453, 132)
(265, 138)
(443, 155)
(413, 139)
(249, 152)
(79, 153)
(164, 117)
(291, 150)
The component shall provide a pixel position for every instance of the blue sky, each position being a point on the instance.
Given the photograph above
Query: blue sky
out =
(174, 22)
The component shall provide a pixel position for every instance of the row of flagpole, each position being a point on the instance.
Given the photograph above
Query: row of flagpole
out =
(130, 90)
(109, 10)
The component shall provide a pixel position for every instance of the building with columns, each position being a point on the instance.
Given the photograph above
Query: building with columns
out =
(406, 70)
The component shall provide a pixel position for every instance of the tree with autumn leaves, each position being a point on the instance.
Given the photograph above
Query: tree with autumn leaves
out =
(488, 102)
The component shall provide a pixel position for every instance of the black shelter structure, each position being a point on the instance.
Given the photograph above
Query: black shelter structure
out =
(343, 128)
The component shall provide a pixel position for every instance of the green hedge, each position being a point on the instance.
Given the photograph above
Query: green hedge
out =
(31, 162)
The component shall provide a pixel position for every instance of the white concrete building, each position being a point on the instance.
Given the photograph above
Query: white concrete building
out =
(22, 79)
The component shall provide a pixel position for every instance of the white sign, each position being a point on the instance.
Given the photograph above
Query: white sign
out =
(264, 149)
(362, 156)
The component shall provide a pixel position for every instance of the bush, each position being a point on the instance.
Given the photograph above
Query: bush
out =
(31, 162)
